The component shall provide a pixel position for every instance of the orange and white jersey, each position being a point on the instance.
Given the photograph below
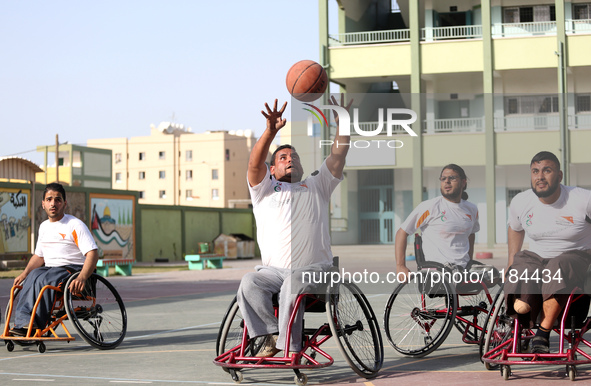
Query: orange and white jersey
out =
(445, 228)
(64, 242)
(555, 228)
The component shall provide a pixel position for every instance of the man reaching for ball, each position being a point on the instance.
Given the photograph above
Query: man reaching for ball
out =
(292, 229)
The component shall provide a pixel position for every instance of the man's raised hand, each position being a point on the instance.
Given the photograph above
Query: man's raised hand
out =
(274, 121)
(333, 101)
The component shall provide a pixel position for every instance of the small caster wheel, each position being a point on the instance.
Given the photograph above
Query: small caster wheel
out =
(300, 379)
(41, 347)
(506, 372)
(571, 371)
(9, 345)
(237, 376)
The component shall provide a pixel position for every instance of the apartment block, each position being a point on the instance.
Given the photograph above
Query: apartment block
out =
(492, 82)
(174, 166)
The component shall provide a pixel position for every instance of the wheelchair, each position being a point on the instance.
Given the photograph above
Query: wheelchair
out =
(507, 338)
(420, 313)
(351, 321)
(98, 314)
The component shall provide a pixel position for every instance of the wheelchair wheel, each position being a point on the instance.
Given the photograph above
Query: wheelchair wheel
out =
(355, 327)
(98, 313)
(476, 309)
(419, 314)
(499, 329)
(231, 331)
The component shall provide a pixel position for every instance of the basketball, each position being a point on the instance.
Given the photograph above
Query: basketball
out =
(306, 80)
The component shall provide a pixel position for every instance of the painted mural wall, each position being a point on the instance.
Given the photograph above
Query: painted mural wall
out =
(113, 225)
(15, 220)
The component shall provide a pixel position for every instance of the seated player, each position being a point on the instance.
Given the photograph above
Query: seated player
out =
(555, 218)
(64, 246)
(448, 224)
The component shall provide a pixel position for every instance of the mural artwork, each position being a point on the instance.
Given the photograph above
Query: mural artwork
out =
(15, 221)
(113, 225)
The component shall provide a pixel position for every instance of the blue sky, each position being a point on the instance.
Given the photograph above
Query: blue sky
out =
(109, 69)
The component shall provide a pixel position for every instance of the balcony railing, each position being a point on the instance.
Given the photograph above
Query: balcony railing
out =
(524, 29)
(456, 125)
(455, 32)
(540, 28)
(578, 26)
(350, 38)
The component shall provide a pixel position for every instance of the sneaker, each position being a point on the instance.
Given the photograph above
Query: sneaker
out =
(540, 345)
(268, 348)
(18, 331)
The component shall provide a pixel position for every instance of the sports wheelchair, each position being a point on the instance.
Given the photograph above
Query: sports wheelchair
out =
(420, 313)
(98, 314)
(350, 319)
(507, 338)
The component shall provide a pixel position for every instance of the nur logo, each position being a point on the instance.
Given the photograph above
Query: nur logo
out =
(345, 120)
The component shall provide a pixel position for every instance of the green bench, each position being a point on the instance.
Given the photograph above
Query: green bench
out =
(205, 260)
(122, 266)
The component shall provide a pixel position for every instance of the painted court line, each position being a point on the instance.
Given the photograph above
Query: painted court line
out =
(171, 331)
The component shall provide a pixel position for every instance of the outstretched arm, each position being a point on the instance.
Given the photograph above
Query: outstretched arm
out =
(340, 146)
(256, 163)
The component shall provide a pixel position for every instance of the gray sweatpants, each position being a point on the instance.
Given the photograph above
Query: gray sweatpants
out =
(255, 301)
(34, 282)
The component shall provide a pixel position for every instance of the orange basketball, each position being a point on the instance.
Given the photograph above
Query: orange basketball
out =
(306, 80)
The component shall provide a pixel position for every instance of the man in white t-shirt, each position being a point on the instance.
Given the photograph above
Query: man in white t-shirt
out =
(64, 246)
(292, 232)
(555, 218)
(448, 224)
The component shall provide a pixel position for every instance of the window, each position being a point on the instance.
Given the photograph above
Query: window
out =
(162, 174)
(189, 175)
(512, 193)
(142, 194)
(227, 154)
(214, 174)
(142, 156)
(215, 194)
(581, 11)
(189, 155)
(117, 158)
(189, 195)
(583, 103)
(531, 104)
(141, 176)
(536, 13)
(118, 177)
(161, 155)
(162, 194)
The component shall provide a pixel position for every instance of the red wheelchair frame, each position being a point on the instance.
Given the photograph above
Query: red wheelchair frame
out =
(348, 323)
(419, 316)
(506, 338)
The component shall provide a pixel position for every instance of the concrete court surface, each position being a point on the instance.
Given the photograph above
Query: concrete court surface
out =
(173, 319)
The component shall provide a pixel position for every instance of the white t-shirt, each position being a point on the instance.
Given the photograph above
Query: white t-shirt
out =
(292, 219)
(64, 242)
(445, 228)
(556, 228)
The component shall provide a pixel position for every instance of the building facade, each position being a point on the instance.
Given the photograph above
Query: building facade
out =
(492, 82)
(174, 166)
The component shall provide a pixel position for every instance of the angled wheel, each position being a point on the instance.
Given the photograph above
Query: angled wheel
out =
(231, 331)
(97, 313)
(499, 330)
(420, 313)
(355, 327)
(475, 309)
